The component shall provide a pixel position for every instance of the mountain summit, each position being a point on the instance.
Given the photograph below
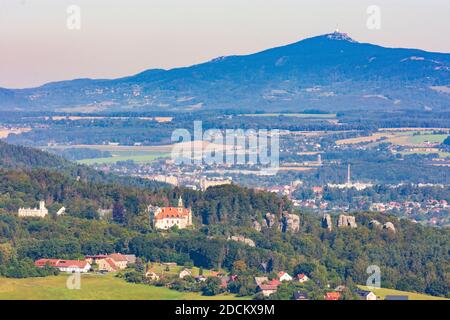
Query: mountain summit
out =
(329, 72)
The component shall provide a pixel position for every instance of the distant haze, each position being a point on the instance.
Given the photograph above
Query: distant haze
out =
(123, 37)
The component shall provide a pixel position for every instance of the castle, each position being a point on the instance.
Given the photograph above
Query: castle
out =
(167, 217)
(36, 212)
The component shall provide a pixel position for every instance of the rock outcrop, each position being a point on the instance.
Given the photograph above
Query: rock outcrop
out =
(346, 221)
(242, 239)
(326, 222)
(290, 222)
(287, 223)
(389, 226)
(270, 220)
(375, 224)
(256, 226)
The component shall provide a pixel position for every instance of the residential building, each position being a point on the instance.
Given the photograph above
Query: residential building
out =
(185, 273)
(332, 296)
(301, 278)
(267, 289)
(119, 259)
(284, 276)
(299, 295)
(366, 295)
(107, 265)
(70, 266)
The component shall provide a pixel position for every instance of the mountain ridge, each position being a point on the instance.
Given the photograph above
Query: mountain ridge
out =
(330, 72)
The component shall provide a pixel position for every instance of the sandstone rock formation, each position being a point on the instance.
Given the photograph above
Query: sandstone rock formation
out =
(270, 220)
(290, 222)
(346, 221)
(256, 226)
(389, 226)
(242, 239)
(326, 222)
(375, 224)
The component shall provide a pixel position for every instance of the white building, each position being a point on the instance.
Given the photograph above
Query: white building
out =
(35, 212)
(284, 276)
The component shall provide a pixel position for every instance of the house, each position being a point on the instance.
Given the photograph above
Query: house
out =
(332, 296)
(185, 273)
(201, 278)
(261, 280)
(301, 277)
(106, 264)
(274, 282)
(70, 266)
(366, 295)
(299, 295)
(131, 258)
(167, 217)
(340, 288)
(396, 297)
(284, 276)
(119, 259)
(152, 276)
(94, 258)
(267, 289)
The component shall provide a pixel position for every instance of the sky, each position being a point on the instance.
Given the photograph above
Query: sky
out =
(123, 37)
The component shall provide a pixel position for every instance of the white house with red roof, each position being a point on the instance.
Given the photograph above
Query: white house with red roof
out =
(301, 277)
(167, 217)
(284, 276)
(65, 265)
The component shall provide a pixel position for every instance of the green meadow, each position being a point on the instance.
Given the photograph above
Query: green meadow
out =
(93, 287)
(382, 293)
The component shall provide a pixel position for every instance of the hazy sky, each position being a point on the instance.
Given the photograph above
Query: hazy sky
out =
(123, 37)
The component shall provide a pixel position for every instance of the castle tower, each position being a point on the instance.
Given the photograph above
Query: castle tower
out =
(41, 205)
(180, 202)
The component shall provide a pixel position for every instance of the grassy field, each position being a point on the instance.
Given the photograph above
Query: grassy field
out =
(136, 156)
(382, 293)
(175, 270)
(93, 287)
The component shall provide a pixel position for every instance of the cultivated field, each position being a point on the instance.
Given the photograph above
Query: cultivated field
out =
(404, 138)
(5, 132)
(297, 115)
(93, 287)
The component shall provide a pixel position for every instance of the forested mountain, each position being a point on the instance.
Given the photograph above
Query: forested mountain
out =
(328, 72)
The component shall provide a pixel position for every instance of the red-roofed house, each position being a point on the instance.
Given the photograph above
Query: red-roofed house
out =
(301, 277)
(274, 282)
(332, 296)
(65, 265)
(119, 259)
(267, 289)
(107, 264)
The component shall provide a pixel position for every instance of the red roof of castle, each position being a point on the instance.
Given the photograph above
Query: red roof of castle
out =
(172, 212)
